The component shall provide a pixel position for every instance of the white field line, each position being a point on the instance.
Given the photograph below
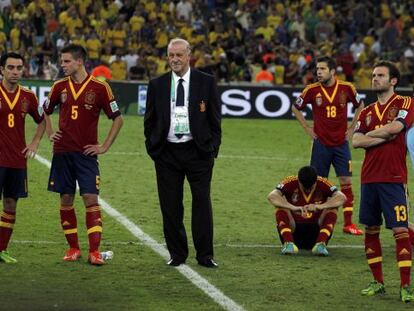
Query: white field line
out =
(224, 156)
(229, 245)
(195, 278)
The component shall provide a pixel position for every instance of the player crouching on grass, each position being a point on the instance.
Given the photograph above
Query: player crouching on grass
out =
(306, 211)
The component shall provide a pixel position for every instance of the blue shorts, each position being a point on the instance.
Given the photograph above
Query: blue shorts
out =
(323, 156)
(388, 199)
(13, 182)
(69, 167)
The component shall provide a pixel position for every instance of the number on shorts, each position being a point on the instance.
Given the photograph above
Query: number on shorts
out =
(98, 181)
(400, 212)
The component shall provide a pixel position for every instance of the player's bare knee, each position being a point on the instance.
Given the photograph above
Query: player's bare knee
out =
(66, 199)
(90, 199)
(9, 204)
(397, 230)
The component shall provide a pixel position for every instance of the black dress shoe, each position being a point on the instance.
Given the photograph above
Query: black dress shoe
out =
(208, 263)
(174, 262)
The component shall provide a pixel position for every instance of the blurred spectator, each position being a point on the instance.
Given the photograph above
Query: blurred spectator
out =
(94, 46)
(363, 76)
(356, 48)
(292, 74)
(27, 36)
(264, 76)
(131, 58)
(48, 71)
(38, 21)
(138, 71)
(118, 67)
(184, 9)
(223, 69)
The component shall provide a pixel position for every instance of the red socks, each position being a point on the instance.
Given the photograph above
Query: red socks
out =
(348, 206)
(403, 254)
(7, 221)
(94, 226)
(283, 225)
(373, 253)
(327, 227)
(69, 225)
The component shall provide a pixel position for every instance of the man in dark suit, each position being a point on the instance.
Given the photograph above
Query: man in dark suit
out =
(182, 135)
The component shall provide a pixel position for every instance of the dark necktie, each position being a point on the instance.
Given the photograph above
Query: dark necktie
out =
(180, 99)
(180, 93)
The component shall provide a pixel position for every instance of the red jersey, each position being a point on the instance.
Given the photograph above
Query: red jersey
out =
(330, 109)
(294, 195)
(13, 110)
(386, 162)
(79, 107)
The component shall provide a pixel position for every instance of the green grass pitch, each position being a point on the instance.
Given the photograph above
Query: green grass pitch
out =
(255, 155)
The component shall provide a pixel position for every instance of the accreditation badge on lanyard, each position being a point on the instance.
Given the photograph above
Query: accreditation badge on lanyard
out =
(181, 122)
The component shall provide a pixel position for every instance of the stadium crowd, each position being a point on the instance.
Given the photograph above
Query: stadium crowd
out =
(273, 41)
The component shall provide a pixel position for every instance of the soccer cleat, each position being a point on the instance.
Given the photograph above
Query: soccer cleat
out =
(6, 258)
(320, 249)
(374, 288)
(407, 293)
(96, 259)
(289, 248)
(353, 230)
(72, 254)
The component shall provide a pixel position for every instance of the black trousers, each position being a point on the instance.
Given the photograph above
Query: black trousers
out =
(177, 162)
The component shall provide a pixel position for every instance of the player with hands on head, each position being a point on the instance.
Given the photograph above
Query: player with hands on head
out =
(306, 211)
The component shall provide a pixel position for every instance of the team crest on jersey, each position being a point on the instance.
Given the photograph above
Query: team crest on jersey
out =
(25, 107)
(63, 96)
(392, 113)
(318, 99)
(90, 97)
(368, 119)
(295, 196)
(342, 99)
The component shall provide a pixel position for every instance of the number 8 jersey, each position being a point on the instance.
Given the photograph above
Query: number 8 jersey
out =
(329, 109)
(79, 107)
(13, 110)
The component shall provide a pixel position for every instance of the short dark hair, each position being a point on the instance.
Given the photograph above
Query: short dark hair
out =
(392, 69)
(4, 57)
(328, 60)
(77, 51)
(307, 176)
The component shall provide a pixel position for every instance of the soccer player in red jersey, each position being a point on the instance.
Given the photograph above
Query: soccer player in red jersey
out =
(306, 211)
(80, 98)
(15, 103)
(381, 130)
(329, 99)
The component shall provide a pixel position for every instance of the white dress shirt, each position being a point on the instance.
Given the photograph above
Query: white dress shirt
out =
(186, 84)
